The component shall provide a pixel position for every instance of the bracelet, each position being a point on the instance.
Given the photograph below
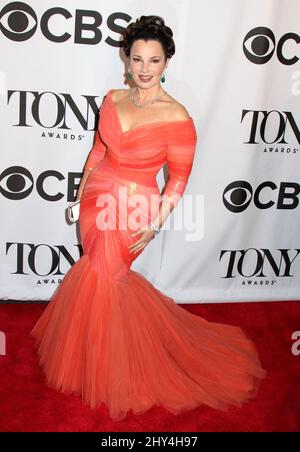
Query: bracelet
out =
(154, 228)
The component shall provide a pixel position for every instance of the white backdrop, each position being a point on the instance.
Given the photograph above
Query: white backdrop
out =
(236, 69)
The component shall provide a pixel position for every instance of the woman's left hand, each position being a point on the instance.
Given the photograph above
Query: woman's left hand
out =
(147, 236)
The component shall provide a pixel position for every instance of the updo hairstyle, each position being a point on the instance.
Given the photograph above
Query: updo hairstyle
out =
(149, 27)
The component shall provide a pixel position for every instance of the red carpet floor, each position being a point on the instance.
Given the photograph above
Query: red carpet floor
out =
(28, 405)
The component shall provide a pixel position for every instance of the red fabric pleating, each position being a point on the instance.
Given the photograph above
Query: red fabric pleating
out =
(107, 333)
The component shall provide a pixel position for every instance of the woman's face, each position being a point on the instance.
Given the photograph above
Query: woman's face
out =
(147, 62)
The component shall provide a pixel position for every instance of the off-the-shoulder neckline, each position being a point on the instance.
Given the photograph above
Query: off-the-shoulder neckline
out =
(144, 125)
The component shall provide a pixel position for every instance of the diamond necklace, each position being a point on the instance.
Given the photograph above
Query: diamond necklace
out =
(147, 103)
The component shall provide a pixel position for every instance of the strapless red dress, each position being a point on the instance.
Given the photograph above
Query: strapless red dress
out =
(107, 333)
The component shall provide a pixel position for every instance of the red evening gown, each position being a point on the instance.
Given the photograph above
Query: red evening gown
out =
(107, 333)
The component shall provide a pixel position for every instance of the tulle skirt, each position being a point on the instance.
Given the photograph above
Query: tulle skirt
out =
(111, 337)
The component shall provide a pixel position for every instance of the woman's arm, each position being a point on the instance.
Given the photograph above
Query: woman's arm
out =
(180, 159)
(96, 154)
(83, 180)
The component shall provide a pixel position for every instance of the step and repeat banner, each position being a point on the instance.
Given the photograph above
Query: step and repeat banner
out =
(235, 235)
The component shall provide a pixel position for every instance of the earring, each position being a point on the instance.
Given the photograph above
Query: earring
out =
(129, 75)
(163, 79)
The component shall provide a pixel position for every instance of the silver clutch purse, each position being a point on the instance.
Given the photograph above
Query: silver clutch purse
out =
(73, 211)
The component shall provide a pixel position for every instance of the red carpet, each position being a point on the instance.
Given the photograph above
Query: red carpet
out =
(28, 405)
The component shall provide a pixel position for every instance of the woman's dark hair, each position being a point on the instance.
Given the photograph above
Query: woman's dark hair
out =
(149, 27)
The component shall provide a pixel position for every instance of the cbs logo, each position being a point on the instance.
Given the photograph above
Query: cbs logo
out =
(238, 195)
(19, 22)
(259, 46)
(16, 183)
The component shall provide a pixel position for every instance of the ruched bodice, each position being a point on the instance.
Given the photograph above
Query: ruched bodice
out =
(139, 154)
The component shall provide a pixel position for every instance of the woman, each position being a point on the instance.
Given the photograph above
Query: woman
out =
(108, 334)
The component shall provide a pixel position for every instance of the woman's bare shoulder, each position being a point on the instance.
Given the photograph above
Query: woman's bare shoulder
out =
(177, 111)
(118, 94)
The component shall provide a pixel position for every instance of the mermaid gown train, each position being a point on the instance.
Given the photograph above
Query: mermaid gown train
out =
(107, 333)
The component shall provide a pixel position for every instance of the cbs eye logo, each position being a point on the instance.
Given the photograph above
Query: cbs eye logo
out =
(238, 195)
(17, 183)
(19, 22)
(260, 44)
